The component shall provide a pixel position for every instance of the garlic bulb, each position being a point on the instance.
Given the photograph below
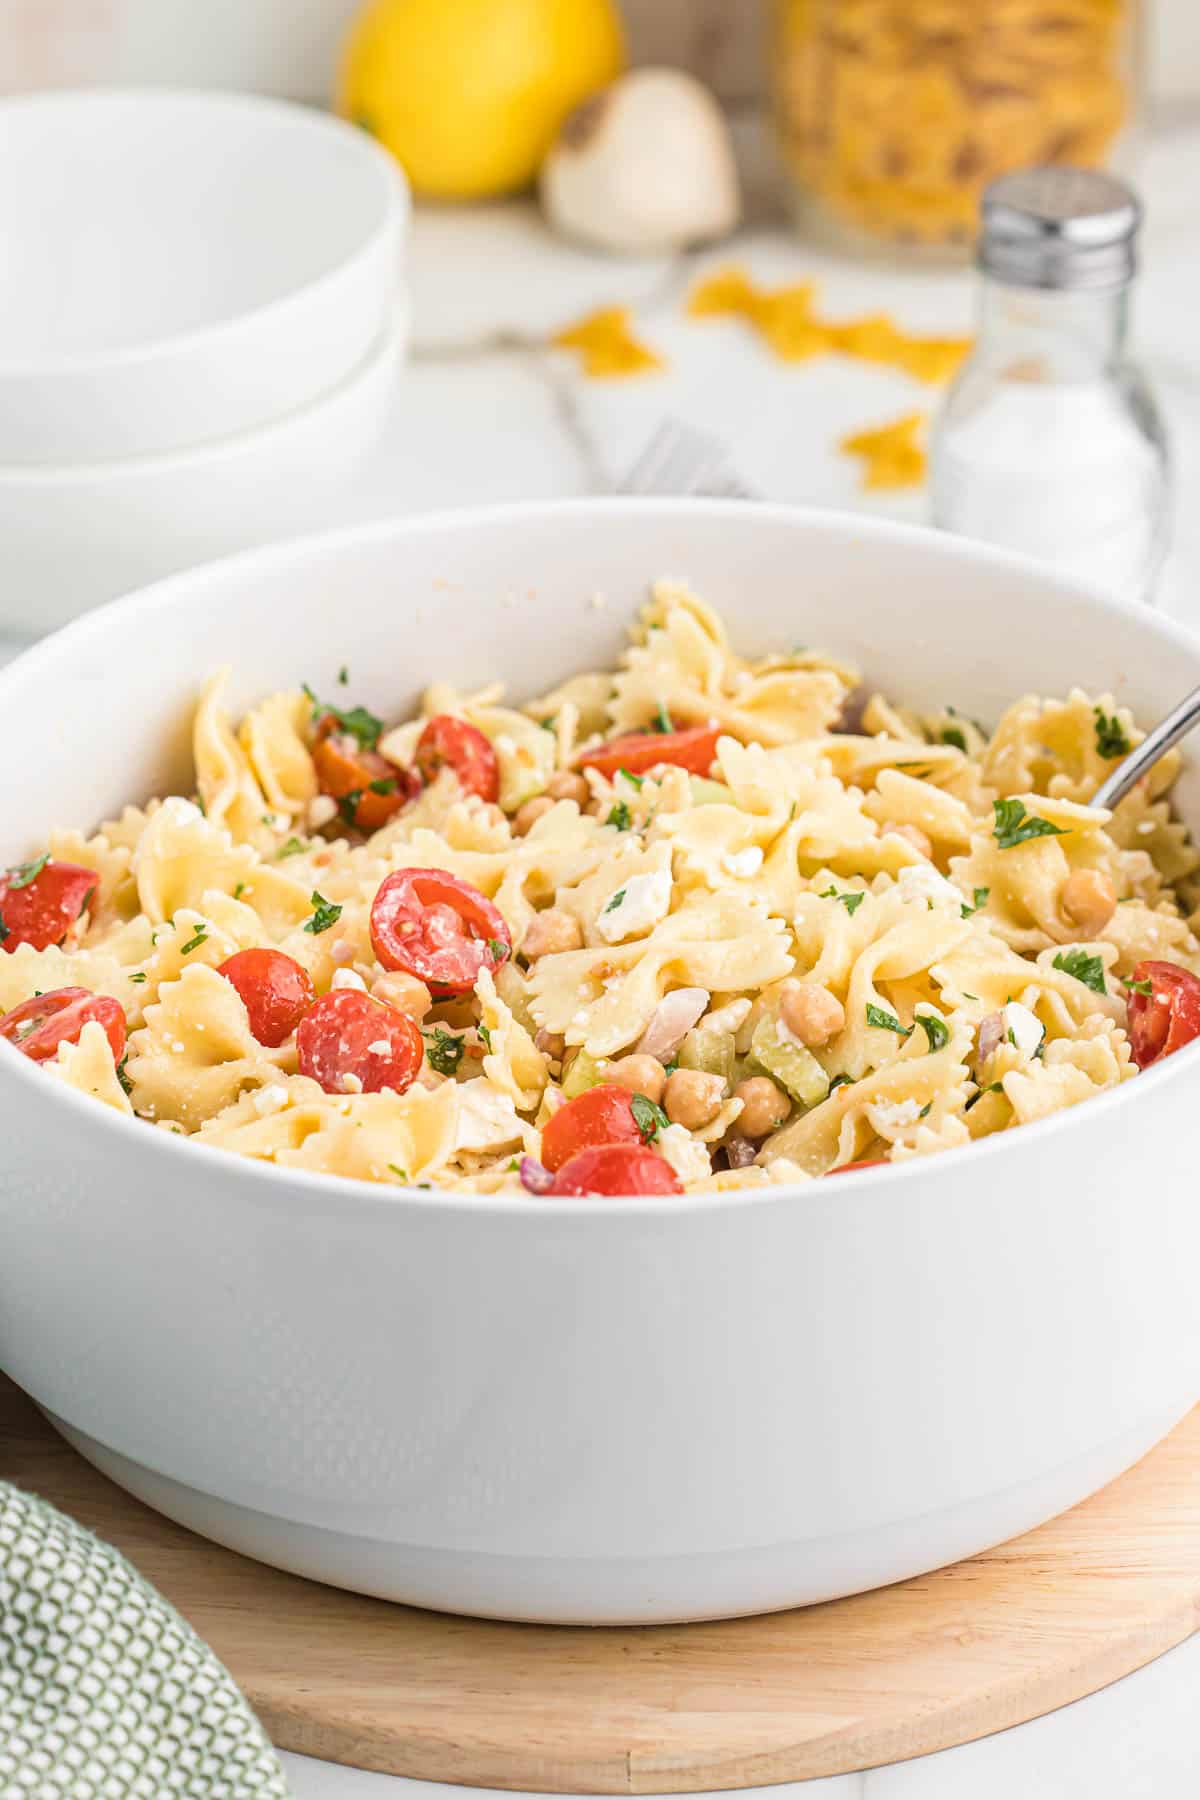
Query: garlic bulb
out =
(646, 164)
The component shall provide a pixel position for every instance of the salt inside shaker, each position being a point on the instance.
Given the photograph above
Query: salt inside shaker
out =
(1049, 441)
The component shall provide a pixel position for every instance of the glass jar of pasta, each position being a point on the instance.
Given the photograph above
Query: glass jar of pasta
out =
(894, 115)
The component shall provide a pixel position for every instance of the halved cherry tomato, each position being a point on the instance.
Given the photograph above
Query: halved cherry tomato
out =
(277, 992)
(1165, 1020)
(447, 742)
(438, 928)
(40, 908)
(616, 1169)
(600, 1115)
(37, 1027)
(878, 1162)
(692, 748)
(347, 1033)
(368, 788)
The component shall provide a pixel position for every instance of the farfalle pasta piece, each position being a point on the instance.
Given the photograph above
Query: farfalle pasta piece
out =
(513, 1064)
(272, 738)
(900, 799)
(25, 972)
(114, 898)
(182, 855)
(88, 1066)
(1024, 878)
(225, 781)
(1064, 748)
(196, 1055)
(1144, 827)
(1073, 1069)
(396, 1138)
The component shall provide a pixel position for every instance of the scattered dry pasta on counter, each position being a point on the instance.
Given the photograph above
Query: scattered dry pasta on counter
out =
(607, 345)
(892, 455)
(694, 922)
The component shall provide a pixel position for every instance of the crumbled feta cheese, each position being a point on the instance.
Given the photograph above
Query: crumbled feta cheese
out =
(485, 1119)
(1022, 1028)
(635, 907)
(1145, 827)
(893, 1115)
(322, 808)
(743, 863)
(269, 1099)
(380, 1047)
(343, 951)
(351, 1084)
(348, 978)
(730, 1017)
(688, 1158)
(180, 811)
(921, 881)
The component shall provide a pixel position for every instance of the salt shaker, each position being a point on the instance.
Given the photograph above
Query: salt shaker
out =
(1049, 441)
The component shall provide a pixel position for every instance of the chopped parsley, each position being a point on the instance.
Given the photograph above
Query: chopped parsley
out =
(628, 775)
(1015, 826)
(549, 724)
(348, 805)
(936, 1030)
(925, 1110)
(443, 1050)
(294, 847)
(841, 1081)
(500, 951)
(1111, 740)
(615, 900)
(5, 933)
(1085, 968)
(887, 1021)
(383, 784)
(485, 1036)
(981, 900)
(994, 1087)
(620, 816)
(851, 902)
(325, 914)
(951, 734)
(123, 1077)
(343, 676)
(356, 721)
(397, 1170)
(25, 874)
(670, 1068)
(1140, 987)
(649, 1118)
(194, 943)
(662, 720)
(139, 977)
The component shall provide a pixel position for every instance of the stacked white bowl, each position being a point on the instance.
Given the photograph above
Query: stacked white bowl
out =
(201, 319)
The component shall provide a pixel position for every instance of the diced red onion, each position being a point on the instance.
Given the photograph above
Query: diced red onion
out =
(991, 1035)
(740, 1151)
(671, 1021)
(535, 1176)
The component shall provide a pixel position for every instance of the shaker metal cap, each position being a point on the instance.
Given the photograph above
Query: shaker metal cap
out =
(1060, 227)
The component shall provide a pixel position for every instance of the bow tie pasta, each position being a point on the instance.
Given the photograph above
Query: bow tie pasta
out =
(698, 921)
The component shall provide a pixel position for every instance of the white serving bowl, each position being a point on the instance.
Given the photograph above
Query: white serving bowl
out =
(606, 1410)
(178, 268)
(74, 536)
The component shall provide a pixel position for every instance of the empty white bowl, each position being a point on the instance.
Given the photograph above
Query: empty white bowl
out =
(73, 536)
(176, 268)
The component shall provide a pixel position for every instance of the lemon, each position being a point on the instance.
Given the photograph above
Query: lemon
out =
(469, 94)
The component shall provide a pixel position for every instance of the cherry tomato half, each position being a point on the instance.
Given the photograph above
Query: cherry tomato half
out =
(600, 1115)
(447, 742)
(277, 992)
(693, 749)
(369, 789)
(616, 1169)
(346, 1033)
(37, 1027)
(40, 908)
(1165, 1020)
(438, 928)
(877, 1162)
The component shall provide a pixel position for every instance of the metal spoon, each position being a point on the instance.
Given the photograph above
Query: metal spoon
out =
(1164, 737)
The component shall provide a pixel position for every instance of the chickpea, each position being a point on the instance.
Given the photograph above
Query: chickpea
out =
(692, 1098)
(640, 1074)
(913, 835)
(764, 1106)
(810, 1012)
(1089, 900)
(568, 786)
(404, 992)
(550, 932)
(527, 816)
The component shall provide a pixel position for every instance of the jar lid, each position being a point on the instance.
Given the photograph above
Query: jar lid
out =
(1060, 227)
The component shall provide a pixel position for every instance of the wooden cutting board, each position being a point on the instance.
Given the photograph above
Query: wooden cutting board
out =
(910, 1669)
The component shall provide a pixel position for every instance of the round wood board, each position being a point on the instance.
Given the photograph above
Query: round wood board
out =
(876, 1679)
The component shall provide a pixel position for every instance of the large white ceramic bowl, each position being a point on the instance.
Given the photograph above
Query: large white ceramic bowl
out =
(75, 535)
(176, 268)
(592, 1410)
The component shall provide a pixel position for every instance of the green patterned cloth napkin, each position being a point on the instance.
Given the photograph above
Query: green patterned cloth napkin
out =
(105, 1692)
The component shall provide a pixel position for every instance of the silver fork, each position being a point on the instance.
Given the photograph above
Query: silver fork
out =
(680, 459)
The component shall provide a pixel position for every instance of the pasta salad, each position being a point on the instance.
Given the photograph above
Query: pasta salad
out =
(697, 922)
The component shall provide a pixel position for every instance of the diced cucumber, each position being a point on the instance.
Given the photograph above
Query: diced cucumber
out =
(711, 1051)
(791, 1065)
(585, 1072)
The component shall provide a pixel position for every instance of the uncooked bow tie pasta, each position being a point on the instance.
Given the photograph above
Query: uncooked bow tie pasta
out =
(697, 922)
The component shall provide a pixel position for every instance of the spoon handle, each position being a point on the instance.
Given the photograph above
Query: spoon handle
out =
(1164, 737)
